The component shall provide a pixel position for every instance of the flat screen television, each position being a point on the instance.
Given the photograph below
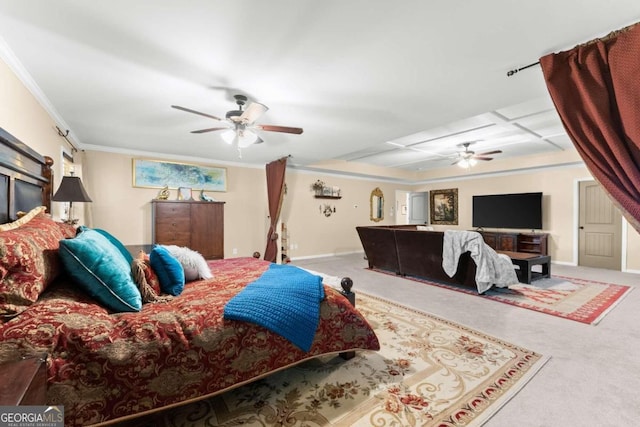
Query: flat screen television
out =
(522, 210)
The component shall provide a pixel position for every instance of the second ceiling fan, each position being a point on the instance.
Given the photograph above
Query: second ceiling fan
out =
(240, 127)
(468, 158)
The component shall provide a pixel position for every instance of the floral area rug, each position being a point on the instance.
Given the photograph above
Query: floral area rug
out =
(429, 372)
(581, 300)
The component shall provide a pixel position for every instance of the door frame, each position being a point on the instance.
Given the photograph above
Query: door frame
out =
(576, 224)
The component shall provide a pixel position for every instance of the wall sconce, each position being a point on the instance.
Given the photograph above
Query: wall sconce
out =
(327, 210)
(71, 190)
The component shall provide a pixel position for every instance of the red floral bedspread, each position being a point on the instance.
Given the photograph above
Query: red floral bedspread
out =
(105, 366)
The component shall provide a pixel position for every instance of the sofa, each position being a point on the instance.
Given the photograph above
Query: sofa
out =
(407, 251)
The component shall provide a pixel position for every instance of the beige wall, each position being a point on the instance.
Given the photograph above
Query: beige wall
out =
(125, 211)
(312, 231)
(23, 117)
(559, 187)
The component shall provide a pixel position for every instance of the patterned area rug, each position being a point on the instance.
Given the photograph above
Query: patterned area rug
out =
(429, 372)
(581, 300)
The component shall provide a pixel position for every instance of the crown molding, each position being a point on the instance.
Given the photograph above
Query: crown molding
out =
(12, 61)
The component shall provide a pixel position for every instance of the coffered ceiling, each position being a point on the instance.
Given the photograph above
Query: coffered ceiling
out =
(391, 84)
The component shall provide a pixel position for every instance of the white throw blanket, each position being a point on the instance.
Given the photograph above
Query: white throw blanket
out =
(492, 268)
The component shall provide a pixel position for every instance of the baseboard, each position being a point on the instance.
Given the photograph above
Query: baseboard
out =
(326, 255)
(574, 264)
(568, 263)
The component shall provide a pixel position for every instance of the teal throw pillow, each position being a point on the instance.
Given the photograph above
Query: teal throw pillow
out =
(114, 240)
(168, 269)
(99, 268)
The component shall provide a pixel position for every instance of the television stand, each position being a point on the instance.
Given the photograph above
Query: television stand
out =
(533, 243)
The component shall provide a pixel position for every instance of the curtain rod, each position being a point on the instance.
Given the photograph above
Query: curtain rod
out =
(608, 37)
(512, 72)
(64, 135)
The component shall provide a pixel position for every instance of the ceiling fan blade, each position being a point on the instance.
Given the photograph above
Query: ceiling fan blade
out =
(456, 162)
(285, 129)
(208, 130)
(177, 107)
(253, 112)
(490, 152)
(482, 158)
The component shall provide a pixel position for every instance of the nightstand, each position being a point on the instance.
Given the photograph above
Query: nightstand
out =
(24, 381)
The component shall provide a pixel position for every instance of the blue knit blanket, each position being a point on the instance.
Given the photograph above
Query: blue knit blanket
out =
(285, 300)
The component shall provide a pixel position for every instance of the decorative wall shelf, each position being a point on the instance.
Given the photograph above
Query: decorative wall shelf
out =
(323, 191)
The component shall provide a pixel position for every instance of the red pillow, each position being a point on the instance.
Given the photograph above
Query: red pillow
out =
(143, 274)
(28, 263)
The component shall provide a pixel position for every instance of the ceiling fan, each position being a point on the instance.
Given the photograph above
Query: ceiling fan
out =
(241, 128)
(468, 158)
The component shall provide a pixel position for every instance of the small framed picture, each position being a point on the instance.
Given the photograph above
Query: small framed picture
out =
(184, 193)
(326, 191)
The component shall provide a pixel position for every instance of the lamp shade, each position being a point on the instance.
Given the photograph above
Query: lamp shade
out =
(71, 190)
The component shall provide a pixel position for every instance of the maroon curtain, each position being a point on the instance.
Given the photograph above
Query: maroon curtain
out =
(596, 90)
(275, 192)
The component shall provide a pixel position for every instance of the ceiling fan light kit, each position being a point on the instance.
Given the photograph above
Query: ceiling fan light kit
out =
(241, 128)
(467, 163)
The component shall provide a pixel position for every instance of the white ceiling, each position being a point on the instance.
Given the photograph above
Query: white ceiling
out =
(395, 84)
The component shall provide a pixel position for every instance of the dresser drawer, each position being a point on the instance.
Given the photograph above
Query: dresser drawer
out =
(173, 210)
(178, 238)
(173, 224)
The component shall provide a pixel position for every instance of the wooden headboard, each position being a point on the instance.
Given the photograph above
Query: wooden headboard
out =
(26, 178)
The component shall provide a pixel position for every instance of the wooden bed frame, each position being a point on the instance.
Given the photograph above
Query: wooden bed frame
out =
(26, 178)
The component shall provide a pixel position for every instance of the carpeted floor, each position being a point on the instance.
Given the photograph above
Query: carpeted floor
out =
(585, 301)
(429, 372)
(590, 380)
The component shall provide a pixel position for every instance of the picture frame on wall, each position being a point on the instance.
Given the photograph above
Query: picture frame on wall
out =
(173, 175)
(443, 206)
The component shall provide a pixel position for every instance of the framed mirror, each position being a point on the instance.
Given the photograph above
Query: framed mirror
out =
(376, 205)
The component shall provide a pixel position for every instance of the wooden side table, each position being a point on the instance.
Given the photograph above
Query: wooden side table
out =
(525, 261)
(24, 381)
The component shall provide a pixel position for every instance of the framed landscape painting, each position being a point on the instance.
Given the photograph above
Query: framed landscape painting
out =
(444, 206)
(158, 174)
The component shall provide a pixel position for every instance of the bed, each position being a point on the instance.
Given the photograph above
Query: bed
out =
(107, 366)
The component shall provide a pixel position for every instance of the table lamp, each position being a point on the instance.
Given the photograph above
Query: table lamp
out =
(71, 190)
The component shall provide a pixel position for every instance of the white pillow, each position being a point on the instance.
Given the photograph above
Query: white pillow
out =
(194, 264)
(424, 227)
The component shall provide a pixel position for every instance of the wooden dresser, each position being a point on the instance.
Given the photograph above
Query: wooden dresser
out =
(196, 225)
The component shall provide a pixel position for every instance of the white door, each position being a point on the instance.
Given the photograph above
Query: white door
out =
(600, 236)
(418, 207)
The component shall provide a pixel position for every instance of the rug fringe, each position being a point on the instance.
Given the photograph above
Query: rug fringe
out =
(511, 393)
(611, 307)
